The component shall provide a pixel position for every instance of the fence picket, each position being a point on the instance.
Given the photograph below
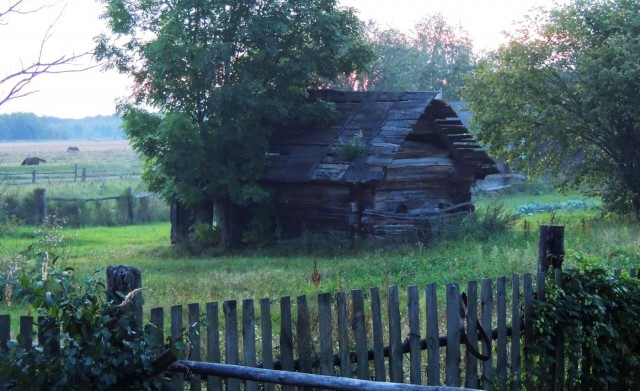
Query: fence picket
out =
(396, 372)
(360, 334)
(452, 372)
(231, 343)
(214, 383)
(286, 338)
(326, 337)
(433, 337)
(194, 340)
(415, 353)
(471, 362)
(487, 324)
(249, 339)
(267, 339)
(501, 346)
(177, 378)
(378, 339)
(303, 332)
(343, 341)
(514, 370)
(5, 335)
(528, 331)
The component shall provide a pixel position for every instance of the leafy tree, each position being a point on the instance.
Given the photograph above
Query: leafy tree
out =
(562, 98)
(433, 56)
(222, 75)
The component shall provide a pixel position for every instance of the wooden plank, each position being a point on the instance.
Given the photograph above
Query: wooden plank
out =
(267, 339)
(326, 334)
(471, 362)
(156, 318)
(453, 358)
(360, 334)
(378, 341)
(559, 342)
(501, 312)
(486, 306)
(433, 337)
(232, 344)
(194, 339)
(415, 354)
(5, 336)
(303, 333)
(286, 338)
(177, 379)
(214, 383)
(515, 369)
(422, 162)
(528, 331)
(396, 371)
(343, 340)
(546, 380)
(249, 339)
(26, 331)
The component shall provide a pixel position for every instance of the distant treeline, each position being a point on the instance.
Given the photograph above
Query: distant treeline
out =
(28, 126)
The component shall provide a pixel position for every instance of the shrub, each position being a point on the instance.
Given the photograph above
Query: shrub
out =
(351, 150)
(85, 340)
(596, 311)
(487, 222)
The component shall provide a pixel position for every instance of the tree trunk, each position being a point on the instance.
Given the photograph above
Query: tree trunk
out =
(229, 223)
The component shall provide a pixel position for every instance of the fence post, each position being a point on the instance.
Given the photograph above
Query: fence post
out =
(75, 172)
(41, 201)
(551, 247)
(33, 176)
(126, 280)
(130, 199)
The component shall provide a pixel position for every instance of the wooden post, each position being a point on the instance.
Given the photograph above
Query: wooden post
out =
(130, 200)
(126, 279)
(551, 248)
(41, 201)
(84, 175)
(33, 176)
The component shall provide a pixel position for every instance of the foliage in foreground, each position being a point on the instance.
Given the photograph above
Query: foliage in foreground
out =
(596, 313)
(87, 340)
(561, 98)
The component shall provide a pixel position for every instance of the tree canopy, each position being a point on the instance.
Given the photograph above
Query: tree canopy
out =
(433, 56)
(211, 79)
(562, 98)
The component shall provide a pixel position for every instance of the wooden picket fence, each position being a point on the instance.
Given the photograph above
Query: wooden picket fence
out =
(477, 335)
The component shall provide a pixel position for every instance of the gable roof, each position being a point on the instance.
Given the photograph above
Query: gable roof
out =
(381, 123)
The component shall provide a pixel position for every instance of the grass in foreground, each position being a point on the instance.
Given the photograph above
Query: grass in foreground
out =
(173, 277)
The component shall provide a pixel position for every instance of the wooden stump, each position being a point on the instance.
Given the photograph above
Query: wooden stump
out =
(551, 248)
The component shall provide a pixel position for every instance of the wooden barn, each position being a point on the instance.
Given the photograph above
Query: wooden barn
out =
(393, 162)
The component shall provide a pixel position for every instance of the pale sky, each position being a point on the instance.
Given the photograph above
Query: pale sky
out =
(94, 92)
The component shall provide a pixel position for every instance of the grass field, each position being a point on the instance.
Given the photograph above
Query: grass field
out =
(171, 276)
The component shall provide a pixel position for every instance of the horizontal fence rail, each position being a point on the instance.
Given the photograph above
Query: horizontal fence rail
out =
(49, 175)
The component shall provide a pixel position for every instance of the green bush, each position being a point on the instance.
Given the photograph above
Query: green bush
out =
(596, 311)
(351, 150)
(487, 222)
(85, 339)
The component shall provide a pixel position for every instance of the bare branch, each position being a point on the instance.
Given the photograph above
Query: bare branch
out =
(16, 82)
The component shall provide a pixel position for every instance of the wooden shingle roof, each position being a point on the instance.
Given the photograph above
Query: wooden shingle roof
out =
(381, 121)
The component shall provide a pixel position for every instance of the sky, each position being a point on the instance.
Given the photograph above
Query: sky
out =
(95, 92)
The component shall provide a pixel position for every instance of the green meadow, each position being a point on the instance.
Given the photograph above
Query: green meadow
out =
(469, 251)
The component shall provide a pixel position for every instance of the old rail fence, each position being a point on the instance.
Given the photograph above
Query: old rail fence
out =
(481, 339)
(73, 174)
